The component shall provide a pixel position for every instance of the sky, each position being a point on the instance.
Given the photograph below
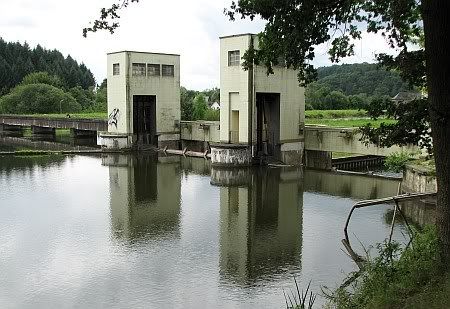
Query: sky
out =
(189, 28)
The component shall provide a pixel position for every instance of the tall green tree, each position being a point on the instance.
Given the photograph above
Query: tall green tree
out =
(18, 60)
(199, 108)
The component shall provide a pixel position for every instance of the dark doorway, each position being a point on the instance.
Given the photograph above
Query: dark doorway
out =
(268, 125)
(144, 119)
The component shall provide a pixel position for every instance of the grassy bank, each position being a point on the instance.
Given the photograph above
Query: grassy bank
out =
(399, 277)
(333, 118)
(334, 114)
(76, 116)
(348, 123)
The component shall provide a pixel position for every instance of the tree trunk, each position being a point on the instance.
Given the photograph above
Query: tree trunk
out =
(436, 18)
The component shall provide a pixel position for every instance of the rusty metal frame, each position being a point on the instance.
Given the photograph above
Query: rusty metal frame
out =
(359, 260)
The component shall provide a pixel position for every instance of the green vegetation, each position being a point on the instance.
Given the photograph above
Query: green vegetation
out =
(195, 105)
(199, 107)
(397, 161)
(17, 61)
(332, 114)
(97, 115)
(348, 123)
(300, 300)
(38, 98)
(396, 276)
(40, 92)
(349, 86)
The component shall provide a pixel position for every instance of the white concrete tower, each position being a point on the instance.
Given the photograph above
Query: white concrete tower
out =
(263, 112)
(143, 100)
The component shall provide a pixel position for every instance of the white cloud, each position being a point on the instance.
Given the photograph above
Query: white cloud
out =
(190, 28)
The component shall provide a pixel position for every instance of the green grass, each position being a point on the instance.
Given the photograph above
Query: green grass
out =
(435, 295)
(333, 114)
(77, 116)
(348, 123)
(337, 155)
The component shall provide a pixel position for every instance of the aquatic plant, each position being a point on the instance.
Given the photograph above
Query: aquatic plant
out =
(300, 299)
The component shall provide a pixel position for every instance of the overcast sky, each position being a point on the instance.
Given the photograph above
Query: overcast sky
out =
(190, 28)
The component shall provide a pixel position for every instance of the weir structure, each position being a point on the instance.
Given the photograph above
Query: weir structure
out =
(143, 101)
(261, 116)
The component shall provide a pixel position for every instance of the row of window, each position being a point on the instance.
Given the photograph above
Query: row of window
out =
(147, 69)
(234, 59)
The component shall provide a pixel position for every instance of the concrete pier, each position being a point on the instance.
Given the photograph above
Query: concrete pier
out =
(231, 154)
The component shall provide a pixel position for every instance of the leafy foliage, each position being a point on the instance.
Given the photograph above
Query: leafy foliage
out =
(17, 61)
(295, 27)
(352, 86)
(38, 98)
(42, 78)
(396, 161)
(394, 274)
(199, 108)
(188, 102)
(108, 19)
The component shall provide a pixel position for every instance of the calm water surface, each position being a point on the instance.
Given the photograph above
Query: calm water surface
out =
(147, 232)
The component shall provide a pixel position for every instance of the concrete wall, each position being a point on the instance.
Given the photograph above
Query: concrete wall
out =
(321, 138)
(122, 87)
(202, 131)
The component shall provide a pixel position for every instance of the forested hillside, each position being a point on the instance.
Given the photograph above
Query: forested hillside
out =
(352, 86)
(17, 60)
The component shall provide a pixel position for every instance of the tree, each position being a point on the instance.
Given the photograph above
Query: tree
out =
(187, 103)
(18, 60)
(295, 27)
(199, 108)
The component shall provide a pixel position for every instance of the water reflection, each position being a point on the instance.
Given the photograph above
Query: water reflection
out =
(260, 224)
(144, 195)
(359, 187)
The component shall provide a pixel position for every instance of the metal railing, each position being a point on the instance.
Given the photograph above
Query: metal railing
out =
(359, 260)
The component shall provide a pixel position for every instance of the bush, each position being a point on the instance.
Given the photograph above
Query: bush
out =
(396, 161)
(38, 99)
(212, 115)
(42, 78)
(394, 275)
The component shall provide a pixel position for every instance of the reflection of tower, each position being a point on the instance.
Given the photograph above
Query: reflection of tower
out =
(261, 225)
(144, 195)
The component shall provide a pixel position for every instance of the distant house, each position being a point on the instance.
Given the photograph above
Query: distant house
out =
(406, 96)
(215, 106)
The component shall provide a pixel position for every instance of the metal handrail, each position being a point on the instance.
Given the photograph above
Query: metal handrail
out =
(397, 198)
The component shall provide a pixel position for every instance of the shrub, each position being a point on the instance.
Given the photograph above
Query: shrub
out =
(396, 161)
(38, 99)
(42, 78)
(394, 275)
(212, 115)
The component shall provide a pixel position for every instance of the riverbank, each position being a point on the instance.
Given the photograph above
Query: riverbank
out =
(398, 277)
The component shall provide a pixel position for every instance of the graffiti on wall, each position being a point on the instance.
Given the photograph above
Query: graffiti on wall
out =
(113, 117)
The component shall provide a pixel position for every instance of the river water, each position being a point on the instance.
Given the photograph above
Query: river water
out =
(118, 231)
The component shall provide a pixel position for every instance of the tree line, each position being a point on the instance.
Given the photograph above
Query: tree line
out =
(352, 86)
(43, 81)
(18, 60)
